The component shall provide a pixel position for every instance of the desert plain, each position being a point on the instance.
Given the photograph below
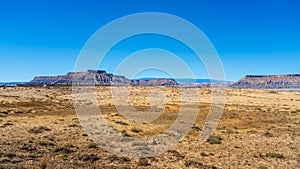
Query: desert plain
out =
(40, 129)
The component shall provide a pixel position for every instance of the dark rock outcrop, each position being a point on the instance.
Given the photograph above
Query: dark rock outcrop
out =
(269, 81)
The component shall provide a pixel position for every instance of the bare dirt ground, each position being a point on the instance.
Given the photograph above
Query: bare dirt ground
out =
(259, 129)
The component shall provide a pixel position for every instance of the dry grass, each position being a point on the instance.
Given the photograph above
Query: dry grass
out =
(259, 129)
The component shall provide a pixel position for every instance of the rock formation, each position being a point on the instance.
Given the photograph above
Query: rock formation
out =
(91, 77)
(98, 77)
(269, 81)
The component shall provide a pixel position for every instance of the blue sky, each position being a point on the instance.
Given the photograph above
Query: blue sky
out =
(45, 37)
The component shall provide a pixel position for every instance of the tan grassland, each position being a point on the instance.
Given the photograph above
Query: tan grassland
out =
(259, 129)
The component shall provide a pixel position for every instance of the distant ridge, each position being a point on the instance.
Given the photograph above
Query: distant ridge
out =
(101, 77)
(287, 81)
(188, 80)
(11, 83)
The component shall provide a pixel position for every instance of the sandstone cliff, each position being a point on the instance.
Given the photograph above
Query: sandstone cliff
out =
(269, 81)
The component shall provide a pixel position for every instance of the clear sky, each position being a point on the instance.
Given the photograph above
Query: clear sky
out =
(44, 37)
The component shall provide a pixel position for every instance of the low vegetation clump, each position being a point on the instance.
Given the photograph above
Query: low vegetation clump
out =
(296, 111)
(66, 149)
(274, 155)
(125, 134)
(213, 139)
(73, 125)
(46, 143)
(262, 167)
(143, 162)
(89, 157)
(203, 154)
(37, 130)
(115, 158)
(196, 164)
(196, 128)
(259, 109)
(92, 145)
(136, 130)
(192, 163)
(43, 164)
(121, 123)
(177, 154)
(268, 134)
(11, 155)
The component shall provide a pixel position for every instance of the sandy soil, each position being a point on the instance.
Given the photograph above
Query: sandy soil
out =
(259, 129)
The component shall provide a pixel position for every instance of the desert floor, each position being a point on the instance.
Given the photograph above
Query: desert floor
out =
(40, 129)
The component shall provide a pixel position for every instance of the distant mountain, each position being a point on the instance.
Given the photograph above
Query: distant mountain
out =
(190, 80)
(269, 81)
(100, 77)
(11, 83)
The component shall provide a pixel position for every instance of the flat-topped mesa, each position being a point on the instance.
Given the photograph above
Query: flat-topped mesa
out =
(98, 77)
(269, 81)
(90, 77)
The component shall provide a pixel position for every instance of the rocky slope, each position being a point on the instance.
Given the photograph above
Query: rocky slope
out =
(269, 81)
(98, 77)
